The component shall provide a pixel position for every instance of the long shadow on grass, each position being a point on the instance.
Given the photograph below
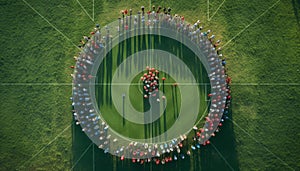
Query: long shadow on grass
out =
(108, 67)
(222, 150)
(296, 7)
(93, 158)
(146, 117)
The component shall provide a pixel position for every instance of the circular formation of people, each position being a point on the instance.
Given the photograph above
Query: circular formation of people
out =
(94, 48)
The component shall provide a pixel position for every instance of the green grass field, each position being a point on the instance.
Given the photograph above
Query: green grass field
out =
(261, 42)
(117, 56)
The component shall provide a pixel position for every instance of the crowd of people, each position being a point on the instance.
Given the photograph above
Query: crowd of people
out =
(85, 113)
(150, 82)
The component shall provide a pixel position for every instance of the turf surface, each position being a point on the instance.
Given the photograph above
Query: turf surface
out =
(37, 132)
(118, 55)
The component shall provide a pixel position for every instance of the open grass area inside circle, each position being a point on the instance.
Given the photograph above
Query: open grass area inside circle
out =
(117, 55)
